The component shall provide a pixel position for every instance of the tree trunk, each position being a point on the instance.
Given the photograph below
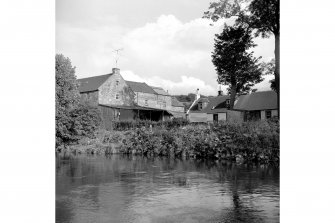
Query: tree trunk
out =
(277, 70)
(232, 96)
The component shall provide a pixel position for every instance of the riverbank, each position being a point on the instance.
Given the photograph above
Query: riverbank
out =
(241, 142)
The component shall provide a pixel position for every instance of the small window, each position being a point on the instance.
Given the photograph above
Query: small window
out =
(146, 101)
(117, 96)
(268, 114)
(200, 105)
(117, 83)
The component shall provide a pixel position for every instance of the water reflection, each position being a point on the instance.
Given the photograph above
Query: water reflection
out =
(137, 189)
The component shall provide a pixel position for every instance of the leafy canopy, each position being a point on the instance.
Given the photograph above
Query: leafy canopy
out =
(235, 64)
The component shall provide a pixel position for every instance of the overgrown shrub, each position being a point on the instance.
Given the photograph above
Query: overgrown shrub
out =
(257, 141)
(85, 120)
(132, 124)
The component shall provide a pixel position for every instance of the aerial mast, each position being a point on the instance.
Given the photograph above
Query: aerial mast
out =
(117, 55)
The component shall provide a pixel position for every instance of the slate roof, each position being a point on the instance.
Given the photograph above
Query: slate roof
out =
(92, 83)
(262, 100)
(140, 87)
(160, 91)
(176, 103)
(215, 104)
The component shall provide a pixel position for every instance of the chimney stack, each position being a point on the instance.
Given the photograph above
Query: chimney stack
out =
(116, 71)
(197, 96)
(220, 92)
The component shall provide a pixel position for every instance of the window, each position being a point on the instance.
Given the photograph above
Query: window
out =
(146, 101)
(117, 83)
(200, 105)
(164, 104)
(228, 102)
(268, 114)
(117, 96)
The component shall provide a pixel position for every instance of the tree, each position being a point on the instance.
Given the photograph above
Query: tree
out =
(235, 66)
(269, 68)
(85, 120)
(67, 97)
(260, 15)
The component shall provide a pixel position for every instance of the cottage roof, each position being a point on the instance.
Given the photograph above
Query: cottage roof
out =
(160, 91)
(92, 83)
(140, 87)
(261, 100)
(215, 104)
(176, 103)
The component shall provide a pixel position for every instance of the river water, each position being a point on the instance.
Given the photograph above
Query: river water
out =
(121, 188)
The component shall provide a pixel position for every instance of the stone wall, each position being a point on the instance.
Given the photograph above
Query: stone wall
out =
(146, 99)
(115, 91)
(177, 109)
(90, 97)
(164, 98)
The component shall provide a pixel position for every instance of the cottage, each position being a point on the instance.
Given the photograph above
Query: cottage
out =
(125, 100)
(213, 109)
(177, 108)
(258, 105)
(117, 100)
(164, 99)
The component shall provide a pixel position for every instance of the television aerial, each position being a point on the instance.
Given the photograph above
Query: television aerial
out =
(117, 55)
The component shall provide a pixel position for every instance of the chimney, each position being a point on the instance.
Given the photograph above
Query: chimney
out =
(220, 92)
(116, 71)
(197, 95)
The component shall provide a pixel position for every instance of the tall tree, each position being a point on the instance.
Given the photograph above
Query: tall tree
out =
(260, 15)
(234, 62)
(67, 97)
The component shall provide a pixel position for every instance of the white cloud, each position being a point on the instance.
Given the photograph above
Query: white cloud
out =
(185, 84)
(169, 42)
(167, 52)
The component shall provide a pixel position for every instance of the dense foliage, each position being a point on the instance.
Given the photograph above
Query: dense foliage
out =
(73, 119)
(67, 97)
(132, 124)
(263, 16)
(247, 141)
(242, 142)
(85, 121)
(234, 64)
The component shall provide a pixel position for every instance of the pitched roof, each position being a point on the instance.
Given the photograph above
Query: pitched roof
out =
(215, 104)
(92, 83)
(176, 103)
(261, 100)
(160, 90)
(140, 87)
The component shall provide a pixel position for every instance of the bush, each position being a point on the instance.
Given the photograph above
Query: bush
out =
(131, 125)
(256, 141)
(85, 120)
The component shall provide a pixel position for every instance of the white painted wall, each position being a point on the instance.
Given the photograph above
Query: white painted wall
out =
(197, 117)
(263, 117)
(222, 116)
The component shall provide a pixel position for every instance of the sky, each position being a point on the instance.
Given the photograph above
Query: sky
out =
(164, 43)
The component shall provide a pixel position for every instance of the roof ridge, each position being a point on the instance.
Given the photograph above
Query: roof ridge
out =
(94, 76)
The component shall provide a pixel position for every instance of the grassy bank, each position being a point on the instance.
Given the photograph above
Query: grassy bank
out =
(241, 142)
